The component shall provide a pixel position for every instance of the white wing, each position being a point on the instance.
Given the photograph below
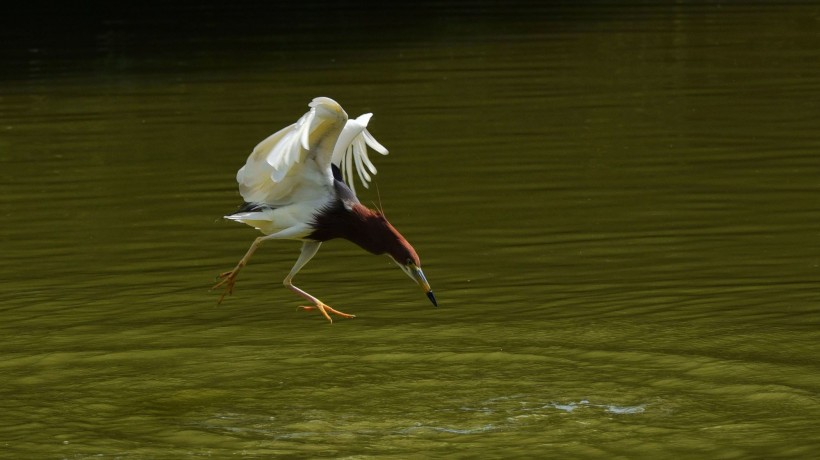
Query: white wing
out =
(277, 171)
(351, 147)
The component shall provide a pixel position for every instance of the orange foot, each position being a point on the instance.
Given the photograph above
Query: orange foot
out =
(227, 280)
(325, 309)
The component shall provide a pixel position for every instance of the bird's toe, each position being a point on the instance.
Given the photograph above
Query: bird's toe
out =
(325, 309)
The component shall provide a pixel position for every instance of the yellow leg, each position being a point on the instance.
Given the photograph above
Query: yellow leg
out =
(309, 249)
(325, 309)
(228, 279)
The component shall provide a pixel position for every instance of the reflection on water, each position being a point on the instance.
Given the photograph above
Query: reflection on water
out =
(617, 208)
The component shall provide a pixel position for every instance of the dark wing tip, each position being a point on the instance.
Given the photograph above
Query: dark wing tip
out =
(251, 207)
(337, 173)
(343, 192)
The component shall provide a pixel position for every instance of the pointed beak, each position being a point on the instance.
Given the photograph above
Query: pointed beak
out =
(418, 277)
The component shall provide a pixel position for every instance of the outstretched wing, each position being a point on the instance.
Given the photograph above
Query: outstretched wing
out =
(277, 167)
(277, 172)
(352, 148)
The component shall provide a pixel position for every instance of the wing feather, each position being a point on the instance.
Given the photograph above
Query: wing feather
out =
(365, 177)
(348, 171)
(277, 172)
(352, 147)
(276, 169)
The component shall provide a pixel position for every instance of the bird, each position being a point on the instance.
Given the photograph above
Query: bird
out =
(298, 184)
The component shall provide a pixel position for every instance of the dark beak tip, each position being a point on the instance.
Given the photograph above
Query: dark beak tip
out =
(432, 298)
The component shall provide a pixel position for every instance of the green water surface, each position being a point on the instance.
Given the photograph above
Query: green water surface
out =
(618, 209)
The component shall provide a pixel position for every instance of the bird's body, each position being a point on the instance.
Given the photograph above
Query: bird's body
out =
(293, 184)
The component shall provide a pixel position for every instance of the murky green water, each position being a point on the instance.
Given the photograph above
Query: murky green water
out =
(618, 209)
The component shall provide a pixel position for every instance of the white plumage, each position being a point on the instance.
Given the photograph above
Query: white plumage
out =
(291, 193)
(290, 170)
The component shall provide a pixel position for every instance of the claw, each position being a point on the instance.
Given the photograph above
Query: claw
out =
(227, 280)
(325, 309)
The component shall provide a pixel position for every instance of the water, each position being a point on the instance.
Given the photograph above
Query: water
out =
(616, 207)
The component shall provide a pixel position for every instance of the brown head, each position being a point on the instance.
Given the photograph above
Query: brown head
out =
(371, 231)
(380, 237)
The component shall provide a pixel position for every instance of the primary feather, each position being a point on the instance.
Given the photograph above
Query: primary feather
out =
(352, 147)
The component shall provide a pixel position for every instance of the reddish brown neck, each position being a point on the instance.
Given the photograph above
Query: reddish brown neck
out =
(365, 227)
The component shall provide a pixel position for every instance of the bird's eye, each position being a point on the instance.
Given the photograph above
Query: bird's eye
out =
(408, 261)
